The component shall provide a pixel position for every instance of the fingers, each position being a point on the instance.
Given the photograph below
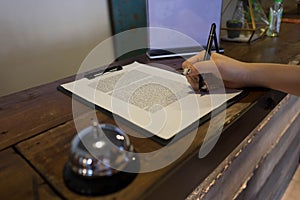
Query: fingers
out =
(207, 66)
(200, 68)
(193, 81)
(196, 58)
(193, 60)
(188, 68)
(197, 65)
(194, 66)
(186, 71)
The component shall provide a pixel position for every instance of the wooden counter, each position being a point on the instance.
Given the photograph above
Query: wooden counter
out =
(36, 128)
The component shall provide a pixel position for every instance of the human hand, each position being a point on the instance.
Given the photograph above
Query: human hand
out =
(233, 73)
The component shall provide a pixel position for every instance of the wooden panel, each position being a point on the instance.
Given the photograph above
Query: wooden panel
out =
(19, 181)
(266, 168)
(48, 152)
(27, 113)
(279, 49)
(194, 170)
(281, 174)
(240, 164)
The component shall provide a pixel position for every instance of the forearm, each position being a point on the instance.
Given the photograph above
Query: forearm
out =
(280, 77)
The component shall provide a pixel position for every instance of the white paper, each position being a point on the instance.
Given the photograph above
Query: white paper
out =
(157, 100)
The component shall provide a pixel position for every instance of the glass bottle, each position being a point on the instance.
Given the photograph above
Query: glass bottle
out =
(275, 18)
(239, 12)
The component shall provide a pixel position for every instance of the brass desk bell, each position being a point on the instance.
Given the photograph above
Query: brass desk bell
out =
(100, 157)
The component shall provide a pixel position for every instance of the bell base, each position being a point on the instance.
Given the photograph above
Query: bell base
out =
(96, 186)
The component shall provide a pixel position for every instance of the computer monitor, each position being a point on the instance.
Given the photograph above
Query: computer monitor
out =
(185, 26)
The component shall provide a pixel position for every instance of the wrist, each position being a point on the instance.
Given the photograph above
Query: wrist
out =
(259, 75)
(252, 75)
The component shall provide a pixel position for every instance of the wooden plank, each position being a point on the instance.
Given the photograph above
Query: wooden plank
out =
(194, 170)
(240, 164)
(27, 113)
(19, 181)
(266, 167)
(282, 174)
(48, 152)
(278, 50)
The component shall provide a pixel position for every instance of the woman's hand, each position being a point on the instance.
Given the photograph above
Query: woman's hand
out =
(234, 73)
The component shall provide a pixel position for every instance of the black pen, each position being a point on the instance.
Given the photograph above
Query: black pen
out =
(212, 37)
(101, 72)
(210, 41)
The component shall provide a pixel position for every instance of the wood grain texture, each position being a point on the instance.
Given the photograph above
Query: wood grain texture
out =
(30, 112)
(280, 49)
(235, 172)
(48, 152)
(19, 181)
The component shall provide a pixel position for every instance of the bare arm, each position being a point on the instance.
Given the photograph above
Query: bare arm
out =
(237, 74)
(280, 77)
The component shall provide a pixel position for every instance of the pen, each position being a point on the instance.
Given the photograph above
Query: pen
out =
(101, 72)
(210, 41)
(211, 38)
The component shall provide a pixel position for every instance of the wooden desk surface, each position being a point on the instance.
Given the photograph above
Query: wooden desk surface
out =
(36, 128)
